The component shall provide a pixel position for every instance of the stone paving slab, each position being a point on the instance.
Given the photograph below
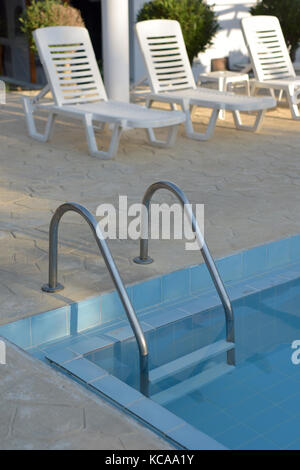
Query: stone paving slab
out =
(248, 182)
(42, 409)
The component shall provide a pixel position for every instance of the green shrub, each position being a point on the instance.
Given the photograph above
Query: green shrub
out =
(288, 13)
(40, 14)
(197, 20)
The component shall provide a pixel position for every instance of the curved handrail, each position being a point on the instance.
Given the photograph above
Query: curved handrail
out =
(54, 286)
(144, 258)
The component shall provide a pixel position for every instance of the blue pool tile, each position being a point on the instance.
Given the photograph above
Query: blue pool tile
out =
(84, 369)
(268, 419)
(155, 414)
(294, 446)
(234, 395)
(163, 316)
(280, 392)
(176, 285)
(60, 344)
(117, 390)
(124, 332)
(50, 326)
(193, 439)
(163, 348)
(249, 407)
(147, 293)
(292, 273)
(200, 279)
(88, 313)
(240, 290)
(278, 253)
(285, 434)
(236, 436)
(260, 443)
(37, 353)
(282, 362)
(231, 268)
(294, 243)
(183, 329)
(18, 332)
(255, 261)
(219, 424)
(111, 306)
(226, 382)
(264, 282)
(103, 330)
(196, 409)
(201, 303)
(264, 380)
(84, 345)
(292, 404)
(60, 355)
(119, 334)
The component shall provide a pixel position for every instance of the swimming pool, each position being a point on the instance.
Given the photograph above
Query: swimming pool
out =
(194, 403)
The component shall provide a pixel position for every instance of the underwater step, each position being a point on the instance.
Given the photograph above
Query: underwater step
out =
(191, 384)
(171, 368)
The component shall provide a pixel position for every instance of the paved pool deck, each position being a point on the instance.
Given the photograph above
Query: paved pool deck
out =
(249, 183)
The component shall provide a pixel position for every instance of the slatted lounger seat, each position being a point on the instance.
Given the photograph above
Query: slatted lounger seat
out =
(172, 81)
(272, 66)
(78, 92)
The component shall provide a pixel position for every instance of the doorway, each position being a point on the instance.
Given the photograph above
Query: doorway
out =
(91, 14)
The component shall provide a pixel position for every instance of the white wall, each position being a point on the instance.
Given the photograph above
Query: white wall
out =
(228, 41)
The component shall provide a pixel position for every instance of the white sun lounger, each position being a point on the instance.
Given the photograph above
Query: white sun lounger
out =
(172, 81)
(77, 89)
(273, 68)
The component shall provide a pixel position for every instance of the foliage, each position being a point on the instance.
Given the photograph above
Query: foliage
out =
(40, 14)
(197, 20)
(288, 13)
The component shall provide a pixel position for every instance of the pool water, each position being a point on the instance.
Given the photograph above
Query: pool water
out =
(255, 405)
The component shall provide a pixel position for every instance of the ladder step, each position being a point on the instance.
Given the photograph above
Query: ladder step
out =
(191, 384)
(189, 360)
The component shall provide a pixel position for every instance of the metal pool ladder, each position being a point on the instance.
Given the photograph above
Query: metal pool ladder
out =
(213, 349)
(54, 286)
(203, 354)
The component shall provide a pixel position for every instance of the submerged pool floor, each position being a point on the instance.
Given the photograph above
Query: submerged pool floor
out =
(256, 406)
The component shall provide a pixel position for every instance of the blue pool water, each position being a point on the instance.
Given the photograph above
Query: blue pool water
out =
(254, 406)
(203, 405)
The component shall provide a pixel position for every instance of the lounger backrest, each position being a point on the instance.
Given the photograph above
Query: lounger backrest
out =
(267, 48)
(70, 64)
(165, 55)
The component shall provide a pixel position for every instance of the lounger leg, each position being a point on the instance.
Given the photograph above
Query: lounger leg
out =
(253, 89)
(173, 106)
(272, 93)
(92, 143)
(256, 126)
(170, 142)
(29, 109)
(189, 128)
(293, 103)
(172, 133)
